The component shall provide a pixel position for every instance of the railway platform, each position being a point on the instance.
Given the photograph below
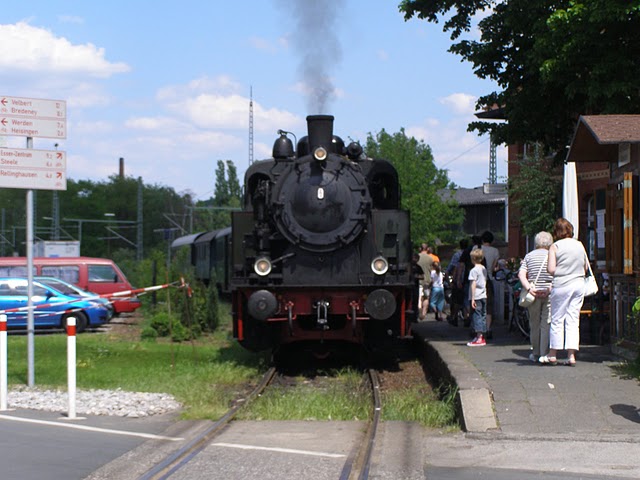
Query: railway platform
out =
(502, 392)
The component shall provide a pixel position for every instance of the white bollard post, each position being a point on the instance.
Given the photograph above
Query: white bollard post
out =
(71, 365)
(4, 367)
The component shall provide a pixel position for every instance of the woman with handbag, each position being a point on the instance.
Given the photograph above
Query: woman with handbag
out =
(568, 264)
(536, 280)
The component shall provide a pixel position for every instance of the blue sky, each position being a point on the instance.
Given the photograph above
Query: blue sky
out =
(166, 85)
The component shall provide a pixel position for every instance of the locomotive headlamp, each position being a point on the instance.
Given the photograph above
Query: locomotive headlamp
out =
(320, 154)
(262, 266)
(379, 265)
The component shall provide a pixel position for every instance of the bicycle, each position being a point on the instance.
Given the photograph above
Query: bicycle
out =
(519, 318)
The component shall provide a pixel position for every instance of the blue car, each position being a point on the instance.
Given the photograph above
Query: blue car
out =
(52, 307)
(75, 291)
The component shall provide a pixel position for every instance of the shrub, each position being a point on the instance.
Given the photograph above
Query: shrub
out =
(148, 334)
(160, 323)
(180, 333)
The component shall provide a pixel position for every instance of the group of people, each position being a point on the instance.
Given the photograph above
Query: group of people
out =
(471, 269)
(432, 284)
(554, 273)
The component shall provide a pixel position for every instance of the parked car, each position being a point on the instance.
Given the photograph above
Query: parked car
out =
(52, 307)
(99, 275)
(75, 291)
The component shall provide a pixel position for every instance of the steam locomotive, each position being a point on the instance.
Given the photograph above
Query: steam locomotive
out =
(321, 250)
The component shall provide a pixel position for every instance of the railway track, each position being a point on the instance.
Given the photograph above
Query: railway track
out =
(358, 465)
(176, 460)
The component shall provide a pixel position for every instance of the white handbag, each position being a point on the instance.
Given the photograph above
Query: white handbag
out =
(590, 284)
(526, 297)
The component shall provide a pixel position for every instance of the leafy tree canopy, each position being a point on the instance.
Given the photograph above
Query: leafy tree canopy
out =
(215, 213)
(227, 189)
(535, 192)
(81, 213)
(420, 182)
(552, 60)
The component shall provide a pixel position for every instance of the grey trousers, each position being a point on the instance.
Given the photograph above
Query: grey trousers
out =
(539, 321)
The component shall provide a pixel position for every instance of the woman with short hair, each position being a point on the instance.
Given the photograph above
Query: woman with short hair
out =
(534, 278)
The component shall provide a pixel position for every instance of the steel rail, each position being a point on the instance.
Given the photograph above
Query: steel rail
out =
(176, 460)
(359, 464)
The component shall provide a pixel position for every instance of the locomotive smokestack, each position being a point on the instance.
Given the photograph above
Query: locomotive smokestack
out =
(320, 128)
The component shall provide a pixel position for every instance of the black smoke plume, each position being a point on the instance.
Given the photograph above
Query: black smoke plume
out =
(315, 40)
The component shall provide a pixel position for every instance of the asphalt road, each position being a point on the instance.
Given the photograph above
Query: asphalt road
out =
(37, 445)
(43, 445)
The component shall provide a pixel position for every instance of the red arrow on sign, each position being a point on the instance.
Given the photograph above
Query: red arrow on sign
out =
(3, 101)
(58, 174)
(4, 122)
(59, 155)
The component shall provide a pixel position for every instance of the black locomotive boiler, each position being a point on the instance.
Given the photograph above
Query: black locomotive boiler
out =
(321, 251)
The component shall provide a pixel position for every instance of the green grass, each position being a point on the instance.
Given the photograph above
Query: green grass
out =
(342, 397)
(208, 376)
(346, 397)
(205, 378)
(418, 404)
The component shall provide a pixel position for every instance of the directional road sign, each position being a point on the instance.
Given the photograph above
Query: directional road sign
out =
(33, 169)
(33, 117)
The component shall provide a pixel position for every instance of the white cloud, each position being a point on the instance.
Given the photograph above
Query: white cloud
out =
(91, 128)
(460, 103)
(86, 94)
(33, 49)
(221, 84)
(271, 119)
(213, 111)
(213, 103)
(151, 123)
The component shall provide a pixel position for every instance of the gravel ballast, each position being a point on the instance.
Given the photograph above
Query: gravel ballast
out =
(94, 402)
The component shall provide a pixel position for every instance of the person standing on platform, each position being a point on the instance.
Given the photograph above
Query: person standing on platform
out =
(437, 291)
(465, 260)
(435, 257)
(478, 293)
(534, 277)
(457, 282)
(425, 261)
(491, 255)
(567, 263)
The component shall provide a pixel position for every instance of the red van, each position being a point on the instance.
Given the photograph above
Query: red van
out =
(97, 275)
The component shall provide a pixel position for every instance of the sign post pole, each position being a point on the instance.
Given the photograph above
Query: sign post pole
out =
(4, 366)
(32, 117)
(30, 321)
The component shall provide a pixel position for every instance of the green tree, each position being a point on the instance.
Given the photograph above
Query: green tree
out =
(215, 212)
(552, 60)
(82, 207)
(421, 183)
(221, 195)
(535, 192)
(235, 192)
